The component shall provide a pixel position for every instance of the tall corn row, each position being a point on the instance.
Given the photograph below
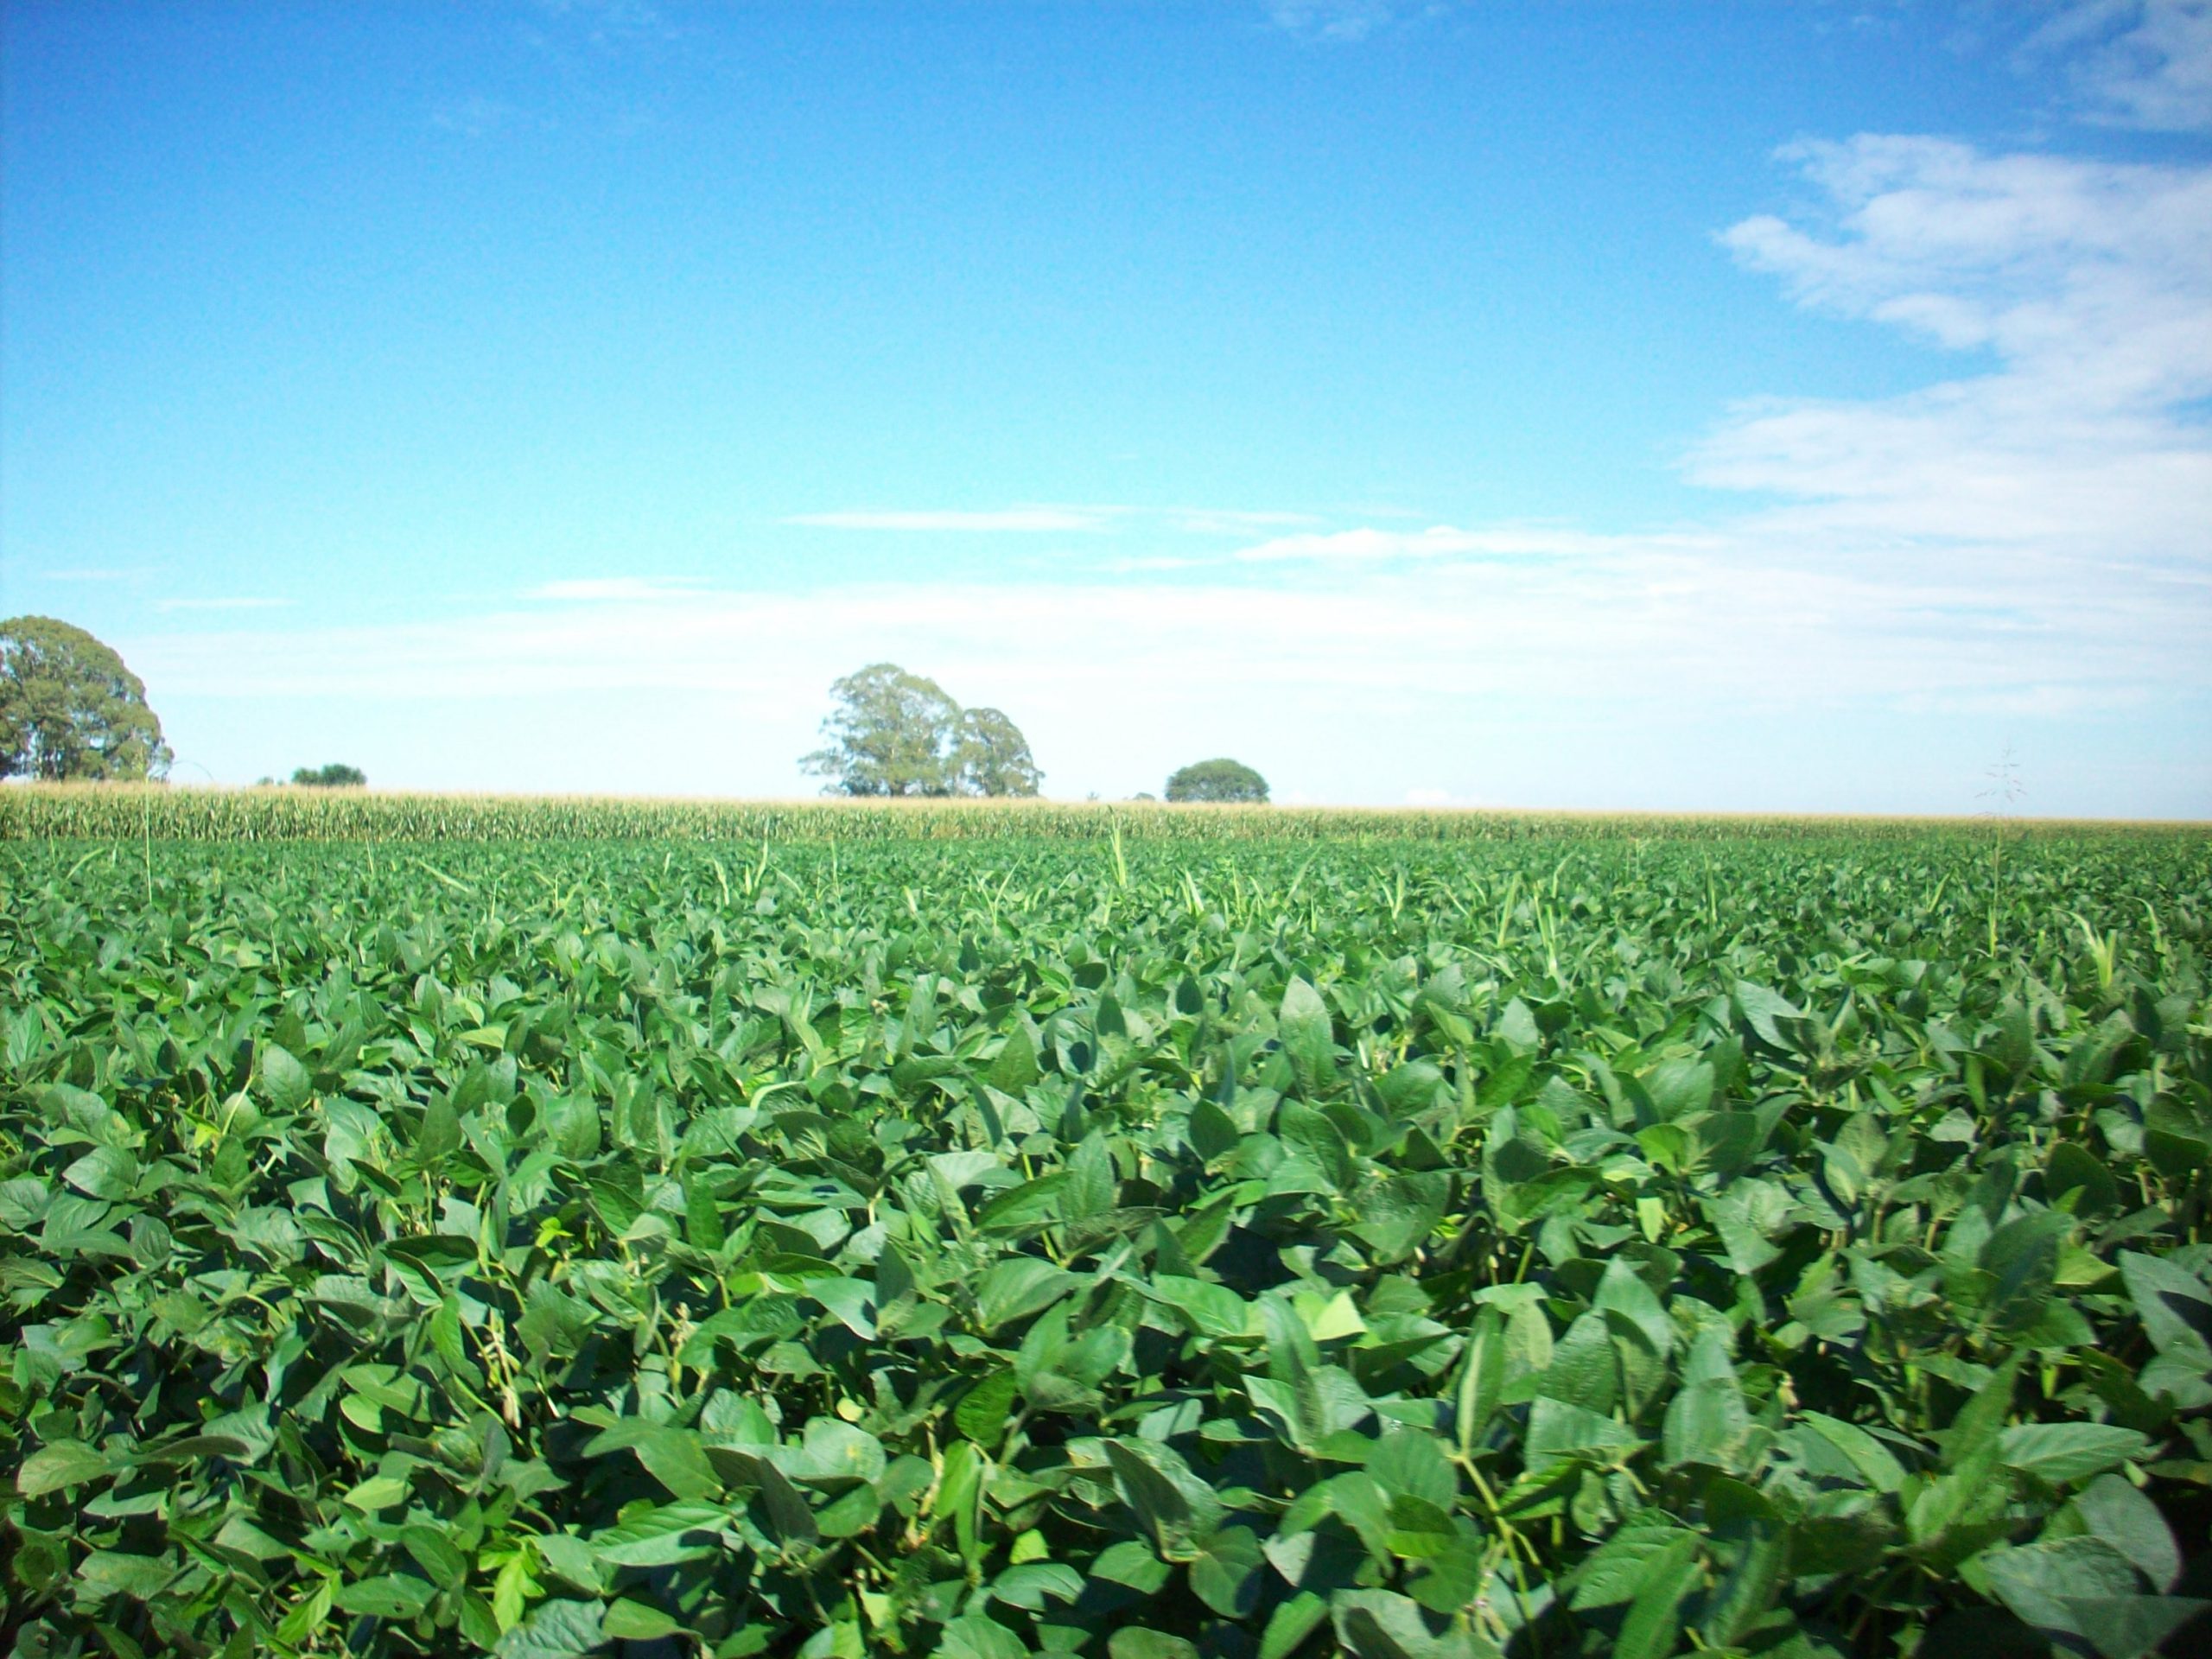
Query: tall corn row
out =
(110, 811)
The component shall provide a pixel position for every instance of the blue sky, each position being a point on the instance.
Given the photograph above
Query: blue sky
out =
(1758, 406)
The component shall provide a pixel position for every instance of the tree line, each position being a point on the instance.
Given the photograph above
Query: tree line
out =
(894, 733)
(70, 710)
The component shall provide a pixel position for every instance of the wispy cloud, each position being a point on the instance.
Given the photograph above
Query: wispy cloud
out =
(2025, 540)
(606, 23)
(580, 71)
(1153, 563)
(227, 603)
(474, 116)
(2090, 285)
(2137, 63)
(1369, 543)
(1741, 615)
(615, 589)
(1223, 521)
(2061, 266)
(1004, 520)
(1044, 516)
(1348, 22)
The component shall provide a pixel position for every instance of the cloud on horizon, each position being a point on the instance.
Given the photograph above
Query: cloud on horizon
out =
(1000, 521)
(249, 602)
(1046, 518)
(1503, 542)
(615, 589)
(2024, 542)
(2024, 538)
(1632, 618)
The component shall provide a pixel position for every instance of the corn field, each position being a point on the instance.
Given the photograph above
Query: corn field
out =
(163, 813)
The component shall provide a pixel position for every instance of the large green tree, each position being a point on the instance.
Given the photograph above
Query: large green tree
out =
(69, 710)
(894, 732)
(1217, 780)
(994, 756)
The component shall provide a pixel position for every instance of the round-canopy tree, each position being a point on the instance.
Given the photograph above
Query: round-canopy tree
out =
(894, 732)
(1217, 780)
(995, 758)
(69, 710)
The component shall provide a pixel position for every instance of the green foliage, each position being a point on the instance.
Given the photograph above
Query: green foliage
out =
(69, 710)
(892, 732)
(334, 776)
(993, 757)
(896, 734)
(1570, 1245)
(1223, 781)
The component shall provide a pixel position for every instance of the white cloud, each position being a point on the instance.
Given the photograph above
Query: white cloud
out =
(1031, 518)
(2100, 272)
(1506, 541)
(1154, 563)
(1640, 619)
(1339, 687)
(474, 116)
(2087, 286)
(2024, 540)
(614, 589)
(1222, 521)
(1002, 520)
(1348, 22)
(606, 23)
(241, 603)
(2139, 63)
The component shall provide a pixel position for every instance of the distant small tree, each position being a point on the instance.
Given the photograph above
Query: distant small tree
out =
(1217, 780)
(334, 776)
(70, 709)
(994, 756)
(897, 734)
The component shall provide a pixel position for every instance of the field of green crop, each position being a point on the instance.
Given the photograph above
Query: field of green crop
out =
(1601, 1239)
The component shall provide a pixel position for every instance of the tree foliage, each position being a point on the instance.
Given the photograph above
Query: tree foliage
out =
(1222, 779)
(995, 758)
(336, 775)
(897, 734)
(70, 710)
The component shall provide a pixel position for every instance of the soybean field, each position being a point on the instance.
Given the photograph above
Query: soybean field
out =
(1082, 1235)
